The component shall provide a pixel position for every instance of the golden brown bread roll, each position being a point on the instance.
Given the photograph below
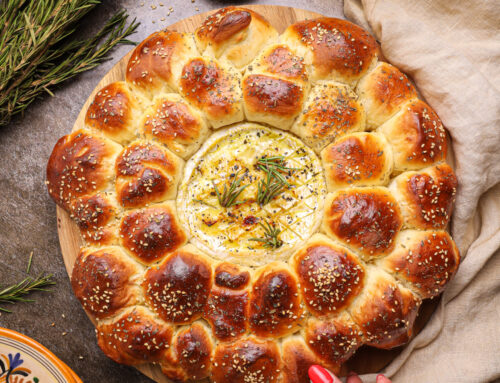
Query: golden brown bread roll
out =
(81, 163)
(227, 311)
(156, 63)
(97, 218)
(424, 260)
(426, 197)
(235, 34)
(274, 87)
(383, 92)
(134, 336)
(192, 352)
(146, 173)
(333, 341)
(297, 358)
(213, 87)
(150, 234)
(385, 310)
(330, 276)
(364, 219)
(417, 136)
(331, 111)
(357, 159)
(114, 112)
(246, 359)
(240, 288)
(172, 122)
(105, 280)
(335, 49)
(177, 288)
(275, 307)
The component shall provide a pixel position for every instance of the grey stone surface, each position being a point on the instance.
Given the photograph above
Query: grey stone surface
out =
(27, 214)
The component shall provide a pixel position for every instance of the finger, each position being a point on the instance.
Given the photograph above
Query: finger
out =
(382, 379)
(353, 378)
(318, 374)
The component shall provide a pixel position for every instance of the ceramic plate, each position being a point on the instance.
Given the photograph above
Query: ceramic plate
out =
(23, 360)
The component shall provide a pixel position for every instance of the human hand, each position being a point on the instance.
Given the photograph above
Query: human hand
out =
(318, 374)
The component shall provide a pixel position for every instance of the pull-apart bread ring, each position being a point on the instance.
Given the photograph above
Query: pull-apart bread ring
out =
(253, 203)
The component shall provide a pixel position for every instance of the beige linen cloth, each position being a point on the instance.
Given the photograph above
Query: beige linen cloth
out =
(452, 51)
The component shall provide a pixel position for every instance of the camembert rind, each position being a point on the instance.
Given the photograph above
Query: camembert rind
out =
(225, 233)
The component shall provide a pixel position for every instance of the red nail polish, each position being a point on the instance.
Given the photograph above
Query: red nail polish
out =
(382, 379)
(319, 375)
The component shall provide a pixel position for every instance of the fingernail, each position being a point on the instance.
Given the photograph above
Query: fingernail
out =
(318, 374)
(382, 379)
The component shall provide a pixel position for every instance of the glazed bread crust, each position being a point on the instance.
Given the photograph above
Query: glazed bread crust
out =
(381, 248)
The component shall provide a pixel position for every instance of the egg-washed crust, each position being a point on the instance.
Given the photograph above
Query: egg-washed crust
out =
(361, 224)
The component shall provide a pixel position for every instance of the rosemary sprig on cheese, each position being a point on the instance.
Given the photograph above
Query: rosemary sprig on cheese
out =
(271, 233)
(269, 187)
(276, 166)
(275, 181)
(229, 194)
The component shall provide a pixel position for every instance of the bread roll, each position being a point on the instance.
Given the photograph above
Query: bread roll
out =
(330, 276)
(334, 49)
(214, 88)
(274, 87)
(425, 261)
(114, 112)
(156, 63)
(172, 122)
(146, 173)
(235, 34)
(335, 340)
(151, 233)
(105, 280)
(383, 92)
(177, 289)
(357, 159)
(416, 135)
(97, 217)
(385, 310)
(191, 354)
(275, 304)
(81, 163)
(366, 220)
(426, 197)
(134, 337)
(248, 357)
(331, 111)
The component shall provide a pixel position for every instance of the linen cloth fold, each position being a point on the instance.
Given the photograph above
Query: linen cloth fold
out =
(451, 49)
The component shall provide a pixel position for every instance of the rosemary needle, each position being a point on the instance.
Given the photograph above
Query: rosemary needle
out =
(39, 48)
(16, 292)
(229, 194)
(271, 233)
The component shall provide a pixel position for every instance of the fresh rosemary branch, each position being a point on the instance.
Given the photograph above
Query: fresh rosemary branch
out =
(271, 233)
(275, 165)
(269, 188)
(16, 292)
(39, 49)
(229, 195)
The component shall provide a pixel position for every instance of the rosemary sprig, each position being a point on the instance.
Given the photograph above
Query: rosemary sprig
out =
(39, 49)
(269, 188)
(229, 194)
(275, 165)
(16, 292)
(271, 233)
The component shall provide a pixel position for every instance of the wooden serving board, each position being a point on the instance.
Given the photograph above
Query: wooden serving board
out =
(367, 359)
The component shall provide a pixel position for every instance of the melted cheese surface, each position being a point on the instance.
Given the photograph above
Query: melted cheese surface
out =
(226, 233)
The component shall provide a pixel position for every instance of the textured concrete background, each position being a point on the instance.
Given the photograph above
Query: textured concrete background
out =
(27, 214)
